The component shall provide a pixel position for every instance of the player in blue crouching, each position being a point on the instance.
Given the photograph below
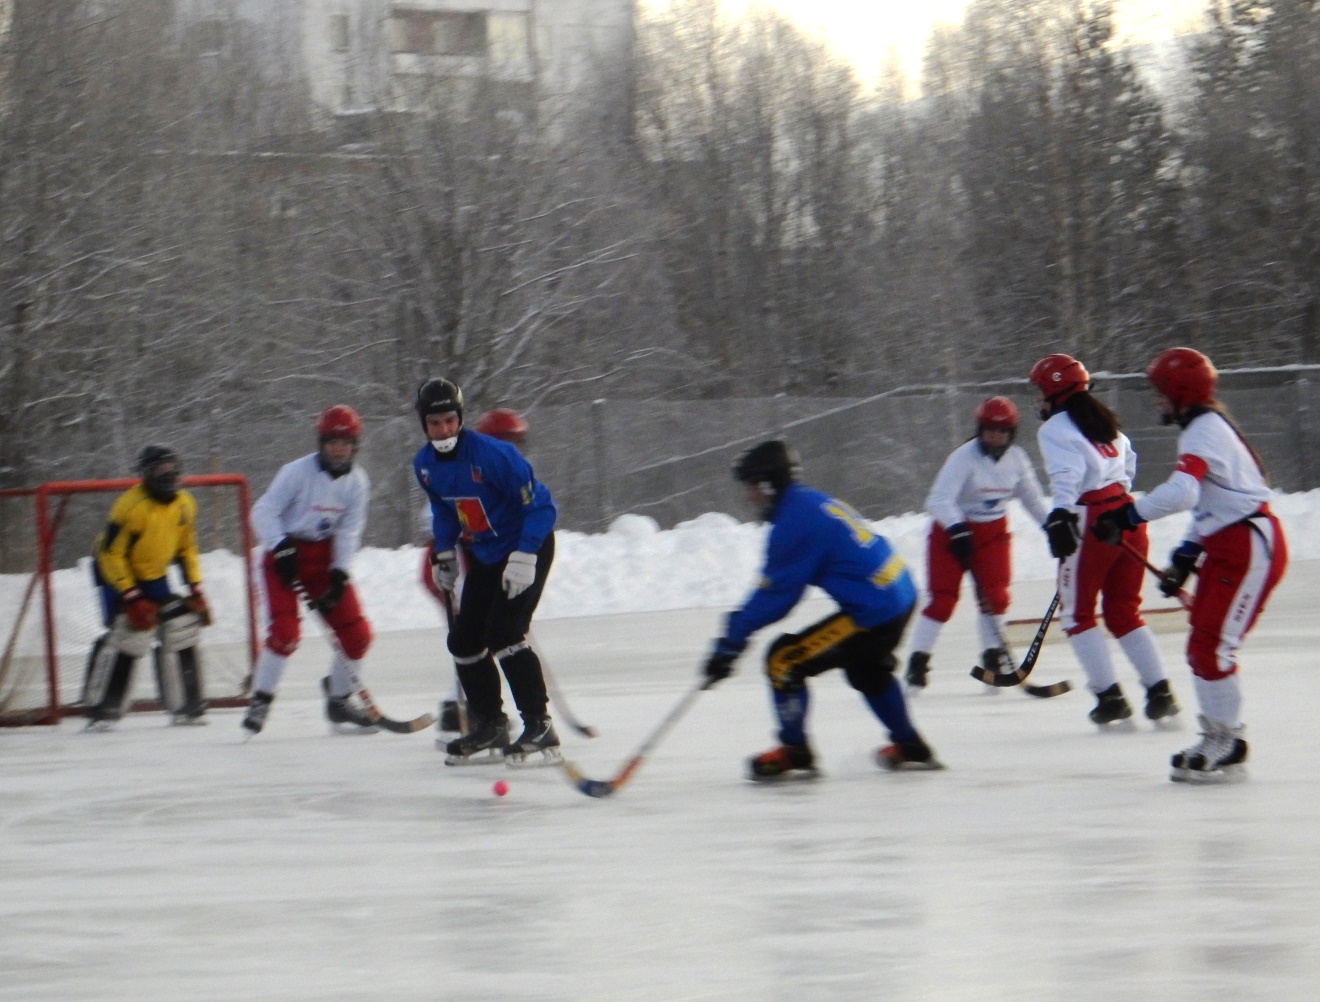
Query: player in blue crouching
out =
(818, 540)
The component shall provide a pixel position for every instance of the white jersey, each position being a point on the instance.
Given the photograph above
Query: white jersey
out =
(1217, 477)
(305, 502)
(1076, 465)
(974, 487)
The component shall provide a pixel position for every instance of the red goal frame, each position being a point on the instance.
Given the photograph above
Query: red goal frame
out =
(46, 527)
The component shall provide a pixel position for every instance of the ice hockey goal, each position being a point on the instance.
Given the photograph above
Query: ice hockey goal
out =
(50, 611)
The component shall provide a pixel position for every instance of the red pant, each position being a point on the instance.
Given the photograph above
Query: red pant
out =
(991, 569)
(1110, 573)
(282, 603)
(1243, 562)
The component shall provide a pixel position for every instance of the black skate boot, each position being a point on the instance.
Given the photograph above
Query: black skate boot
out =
(1219, 757)
(483, 745)
(1110, 706)
(786, 761)
(255, 718)
(339, 711)
(1160, 702)
(995, 659)
(450, 720)
(917, 669)
(907, 756)
(537, 745)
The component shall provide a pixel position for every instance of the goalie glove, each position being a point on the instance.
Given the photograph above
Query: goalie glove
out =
(519, 573)
(143, 614)
(1181, 564)
(444, 569)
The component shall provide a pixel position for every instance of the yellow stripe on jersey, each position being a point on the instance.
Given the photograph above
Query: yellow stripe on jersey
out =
(889, 572)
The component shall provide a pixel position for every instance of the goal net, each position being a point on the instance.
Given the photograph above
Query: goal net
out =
(50, 609)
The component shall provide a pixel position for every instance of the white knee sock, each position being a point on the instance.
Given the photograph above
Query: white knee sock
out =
(270, 666)
(925, 633)
(1092, 651)
(992, 629)
(1220, 699)
(1139, 646)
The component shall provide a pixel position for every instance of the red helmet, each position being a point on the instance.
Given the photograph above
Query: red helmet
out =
(999, 413)
(1059, 376)
(504, 424)
(339, 421)
(1183, 375)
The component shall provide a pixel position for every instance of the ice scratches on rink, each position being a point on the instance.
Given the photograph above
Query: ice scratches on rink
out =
(1050, 861)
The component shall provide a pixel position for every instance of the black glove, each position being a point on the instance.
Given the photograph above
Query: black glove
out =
(286, 561)
(960, 543)
(719, 665)
(1061, 527)
(1181, 564)
(1110, 525)
(333, 595)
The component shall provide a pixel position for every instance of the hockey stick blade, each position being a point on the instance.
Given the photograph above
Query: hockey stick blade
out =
(1047, 691)
(1019, 674)
(600, 788)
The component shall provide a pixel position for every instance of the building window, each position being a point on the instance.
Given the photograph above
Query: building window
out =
(510, 38)
(339, 32)
(437, 33)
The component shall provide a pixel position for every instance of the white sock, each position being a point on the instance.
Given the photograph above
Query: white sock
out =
(1092, 651)
(1139, 646)
(925, 633)
(992, 630)
(270, 666)
(1220, 699)
(341, 682)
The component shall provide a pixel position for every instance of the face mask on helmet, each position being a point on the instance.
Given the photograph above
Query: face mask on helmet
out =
(160, 473)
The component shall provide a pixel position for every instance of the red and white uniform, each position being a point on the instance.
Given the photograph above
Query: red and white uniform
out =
(1245, 550)
(975, 488)
(1088, 478)
(325, 516)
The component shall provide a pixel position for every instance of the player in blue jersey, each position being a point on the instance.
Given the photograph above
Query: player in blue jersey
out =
(483, 494)
(818, 540)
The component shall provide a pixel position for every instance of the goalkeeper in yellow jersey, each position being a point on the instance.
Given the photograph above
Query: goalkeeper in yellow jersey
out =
(151, 526)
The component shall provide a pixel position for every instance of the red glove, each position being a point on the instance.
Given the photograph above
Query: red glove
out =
(142, 612)
(196, 601)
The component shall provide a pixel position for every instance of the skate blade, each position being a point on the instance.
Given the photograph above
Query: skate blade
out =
(537, 760)
(1212, 777)
(791, 776)
(347, 727)
(1169, 723)
(933, 765)
(99, 726)
(1125, 726)
(189, 722)
(490, 756)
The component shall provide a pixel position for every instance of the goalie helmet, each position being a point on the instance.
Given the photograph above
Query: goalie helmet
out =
(504, 424)
(999, 413)
(439, 396)
(1058, 377)
(159, 467)
(1185, 376)
(772, 464)
(339, 422)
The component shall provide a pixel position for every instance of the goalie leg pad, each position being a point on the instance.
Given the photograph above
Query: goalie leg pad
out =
(182, 681)
(108, 682)
(179, 630)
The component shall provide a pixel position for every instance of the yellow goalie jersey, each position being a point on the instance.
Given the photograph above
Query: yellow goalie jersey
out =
(143, 537)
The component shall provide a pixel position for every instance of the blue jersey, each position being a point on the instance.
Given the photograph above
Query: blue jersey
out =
(485, 494)
(817, 540)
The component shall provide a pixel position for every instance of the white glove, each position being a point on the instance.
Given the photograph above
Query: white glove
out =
(519, 573)
(444, 570)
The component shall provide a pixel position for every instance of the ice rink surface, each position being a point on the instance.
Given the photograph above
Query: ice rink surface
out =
(1048, 862)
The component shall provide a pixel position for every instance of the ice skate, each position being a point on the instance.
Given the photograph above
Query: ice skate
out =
(255, 718)
(101, 719)
(995, 660)
(190, 716)
(1219, 757)
(1110, 707)
(784, 762)
(918, 668)
(538, 745)
(449, 721)
(907, 756)
(344, 717)
(1160, 703)
(483, 745)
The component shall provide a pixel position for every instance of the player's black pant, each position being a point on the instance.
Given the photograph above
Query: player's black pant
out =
(866, 654)
(491, 627)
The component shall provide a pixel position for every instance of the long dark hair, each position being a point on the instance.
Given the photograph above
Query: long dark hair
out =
(1093, 419)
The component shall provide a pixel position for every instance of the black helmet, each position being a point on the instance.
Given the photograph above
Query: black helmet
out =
(774, 463)
(161, 485)
(439, 396)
